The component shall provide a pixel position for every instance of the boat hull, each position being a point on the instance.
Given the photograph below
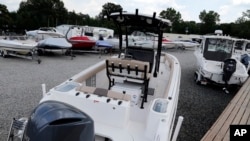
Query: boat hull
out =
(209, 71)
(131, 122)
(82, 43)
(54, 43)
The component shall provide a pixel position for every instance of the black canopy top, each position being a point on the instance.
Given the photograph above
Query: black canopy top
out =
(150, 23)
(140, 21)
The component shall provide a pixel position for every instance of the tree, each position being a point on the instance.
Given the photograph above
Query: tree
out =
(174, 16)
(245, 17)
(209, 21)
(5, 19)
(107, 7)
(210, 17)
(246, 14)
(37, 13)
(171, 14)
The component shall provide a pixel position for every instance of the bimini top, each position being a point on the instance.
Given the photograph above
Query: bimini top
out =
(139, 20)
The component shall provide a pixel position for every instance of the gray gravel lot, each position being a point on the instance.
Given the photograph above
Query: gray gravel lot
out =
(20, 90)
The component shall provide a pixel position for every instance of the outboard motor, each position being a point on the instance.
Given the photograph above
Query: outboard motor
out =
(55, 121)
(228, 69)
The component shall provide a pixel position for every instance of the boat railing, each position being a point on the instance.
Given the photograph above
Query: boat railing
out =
(130, 70)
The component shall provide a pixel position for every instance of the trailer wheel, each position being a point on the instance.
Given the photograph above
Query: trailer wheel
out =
(3, 54)
(106, 51)
(39, 61)
(196, 79)
(40, 52)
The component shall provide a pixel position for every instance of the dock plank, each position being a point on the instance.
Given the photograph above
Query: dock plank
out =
(236, 112)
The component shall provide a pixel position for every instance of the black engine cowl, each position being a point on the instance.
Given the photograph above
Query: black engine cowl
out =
(228, 69)
(55, 121)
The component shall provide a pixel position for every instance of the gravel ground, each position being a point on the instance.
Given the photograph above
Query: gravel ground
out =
(20, 90)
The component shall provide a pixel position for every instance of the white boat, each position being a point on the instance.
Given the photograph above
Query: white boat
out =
(92, 31)
(49, 38)
(242, 51)
(44, 33)
(150, 40)
(216, 64)
(132, 96)
(19, 46)
(180, 44)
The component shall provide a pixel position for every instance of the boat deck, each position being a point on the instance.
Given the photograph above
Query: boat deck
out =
(236, 113)
(135, 124)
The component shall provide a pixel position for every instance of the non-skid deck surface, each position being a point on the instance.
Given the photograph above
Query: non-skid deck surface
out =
(236, 113)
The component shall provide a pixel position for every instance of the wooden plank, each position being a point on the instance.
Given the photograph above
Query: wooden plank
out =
(227, 136)
(244, 89)
(225, 126)
(234, 116)
(246, 116)
(241, 117)
(234, 113)
(225, 119)
(243, 107)
(248, 122)
(244, 111)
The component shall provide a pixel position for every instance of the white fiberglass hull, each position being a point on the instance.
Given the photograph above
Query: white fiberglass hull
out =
(213, 71)
(120, 119)
(17, 45)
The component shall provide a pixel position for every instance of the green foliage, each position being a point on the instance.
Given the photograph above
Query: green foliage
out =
(4, 17)
(41, 13)
(174, 16)
(107, 7)
(244, 18)
(33, 14)
(209, 21)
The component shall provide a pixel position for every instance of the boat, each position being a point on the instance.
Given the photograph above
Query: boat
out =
(50, 39)
(92, 31)
(131, 96)
(150, 40)
(82, 42)
(115, 43)
(55, 44)
(44, 33)
(19, 46)
(103, 45)
(242, 51)
(180, 44)
(217, 64)
(145, 39)
(80, 38)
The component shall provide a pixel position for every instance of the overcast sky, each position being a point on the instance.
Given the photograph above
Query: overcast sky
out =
(229, 10)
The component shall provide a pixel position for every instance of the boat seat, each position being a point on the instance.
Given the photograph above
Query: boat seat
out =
(129, 70)
(105, 92)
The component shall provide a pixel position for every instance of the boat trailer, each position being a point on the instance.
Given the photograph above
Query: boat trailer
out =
(30, 54)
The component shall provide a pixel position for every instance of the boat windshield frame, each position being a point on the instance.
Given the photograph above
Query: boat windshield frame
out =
(149, 23)
(218, 49)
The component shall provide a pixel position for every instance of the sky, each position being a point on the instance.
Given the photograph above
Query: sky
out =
(229, 10)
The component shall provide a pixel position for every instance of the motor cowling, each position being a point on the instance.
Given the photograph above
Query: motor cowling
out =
(228, 69)
(55, 121)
